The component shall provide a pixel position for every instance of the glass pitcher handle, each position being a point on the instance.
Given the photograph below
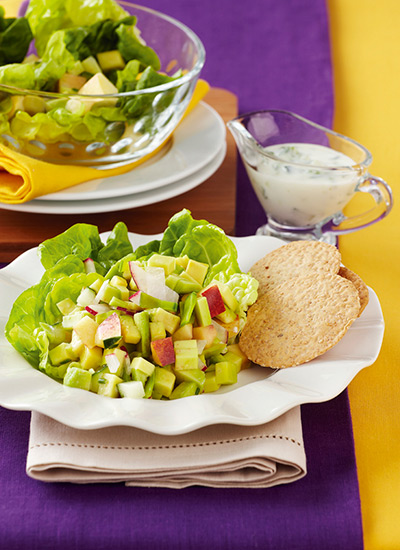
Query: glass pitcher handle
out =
(382, 194)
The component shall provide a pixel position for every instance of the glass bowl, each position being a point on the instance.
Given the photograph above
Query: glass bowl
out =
(132, 132)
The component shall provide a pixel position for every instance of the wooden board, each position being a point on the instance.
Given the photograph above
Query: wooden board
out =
(214, 200)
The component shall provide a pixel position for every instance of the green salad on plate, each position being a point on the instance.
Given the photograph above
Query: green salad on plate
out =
(159, 321)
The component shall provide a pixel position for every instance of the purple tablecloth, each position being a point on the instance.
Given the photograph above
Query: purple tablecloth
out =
(272, 54)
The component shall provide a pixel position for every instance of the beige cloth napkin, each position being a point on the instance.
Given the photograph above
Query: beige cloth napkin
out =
(215, 456)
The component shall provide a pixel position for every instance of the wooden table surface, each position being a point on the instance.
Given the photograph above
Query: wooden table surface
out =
(213, 200)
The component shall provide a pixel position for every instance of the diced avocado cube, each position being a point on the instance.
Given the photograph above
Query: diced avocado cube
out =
(107, 292)
(169, 368)
(227, 316)
(139, 376)
(156, 395)
(185, 389)
(130, 332)
(228, 296)
(150, 302)
(233, 358)
(76, 343)
(197, 270)
(170, 321)
(142, 323)
(164, 381)
(66, 306)
(182, 261)
(210, 383)
(86, 297)
(126, 272)
(235, 348)
(86, 328)
(182, 283)
(118, 281)
(192, 375)
(168, 263)
(218, 358)
(186, 354)
(62, 353)
(178, 269)
(77, 378)
(96, 285)
(142, 365)
(202, 311)
(96, 376)
(225, 373)
(109, 387)
(57, 334)
(124, 292)
(70, 320)
(183, 333)
(91, 358)
(157, 330)
(110, 61)
(132, 389)
(215, 349)
(90, 65)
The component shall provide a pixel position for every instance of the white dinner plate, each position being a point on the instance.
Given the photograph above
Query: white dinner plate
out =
(194, 144)
(135, 200)
(255, 399)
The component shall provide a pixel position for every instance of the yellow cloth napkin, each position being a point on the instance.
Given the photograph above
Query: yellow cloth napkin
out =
(23, 178)
(215, 456)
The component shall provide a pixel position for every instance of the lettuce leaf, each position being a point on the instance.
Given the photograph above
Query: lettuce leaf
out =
(15, 38)
(47, 16)
(20, 75)
(56, 61)
(126, 79)
(142, 105)
(99, 37)
(131, 46)
(22, 323)
(60, 288)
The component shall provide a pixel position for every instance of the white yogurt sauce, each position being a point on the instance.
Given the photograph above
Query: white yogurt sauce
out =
(299, 189)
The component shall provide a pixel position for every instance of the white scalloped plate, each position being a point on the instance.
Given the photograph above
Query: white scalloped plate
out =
(256, 398)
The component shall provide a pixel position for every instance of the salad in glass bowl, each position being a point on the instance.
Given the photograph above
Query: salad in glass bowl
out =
(93, 81)
(161, 321)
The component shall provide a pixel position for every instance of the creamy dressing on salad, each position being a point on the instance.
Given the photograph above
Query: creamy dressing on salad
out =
(301, 187)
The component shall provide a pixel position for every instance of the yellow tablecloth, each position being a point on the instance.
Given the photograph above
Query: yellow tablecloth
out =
(365, 45)
(365, 38)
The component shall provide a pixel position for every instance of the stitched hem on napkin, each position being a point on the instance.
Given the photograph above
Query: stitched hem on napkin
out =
(215, 456)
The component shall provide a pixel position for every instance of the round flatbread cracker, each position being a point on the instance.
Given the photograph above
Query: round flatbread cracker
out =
(361, 287)
(299, 320)
(293, 260)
